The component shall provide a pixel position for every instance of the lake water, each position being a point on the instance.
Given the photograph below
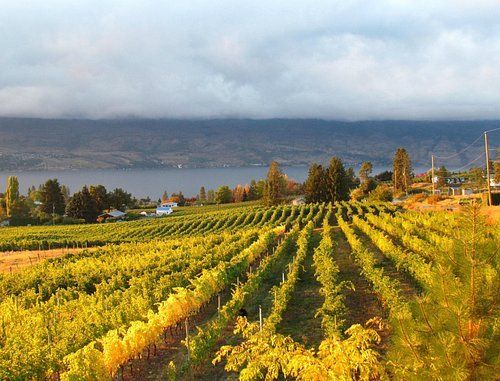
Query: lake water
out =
(152, 182)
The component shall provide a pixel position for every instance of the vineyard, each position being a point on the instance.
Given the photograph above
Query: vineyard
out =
(310, 292)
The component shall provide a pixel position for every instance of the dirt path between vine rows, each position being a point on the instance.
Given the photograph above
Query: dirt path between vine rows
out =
(361, 301)
(299, 319)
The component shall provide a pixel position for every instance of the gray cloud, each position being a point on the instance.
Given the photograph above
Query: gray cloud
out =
(327, 59)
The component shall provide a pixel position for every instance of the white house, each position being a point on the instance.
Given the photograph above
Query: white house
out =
(169, 204)
(299, 201)
(163, 210)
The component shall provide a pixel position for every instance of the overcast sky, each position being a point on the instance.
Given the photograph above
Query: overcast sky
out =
(325, 59)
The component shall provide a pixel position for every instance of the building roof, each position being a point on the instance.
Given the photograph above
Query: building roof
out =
(113, 214)
(163, 208)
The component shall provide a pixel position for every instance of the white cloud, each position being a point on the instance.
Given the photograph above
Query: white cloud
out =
(341, 59)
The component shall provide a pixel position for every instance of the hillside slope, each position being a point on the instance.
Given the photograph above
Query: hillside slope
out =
(29, 144)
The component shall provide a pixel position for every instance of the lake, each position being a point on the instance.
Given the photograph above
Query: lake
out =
(152, 182)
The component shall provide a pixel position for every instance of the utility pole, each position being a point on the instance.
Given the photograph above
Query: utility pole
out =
(487, 156)
(432, 175)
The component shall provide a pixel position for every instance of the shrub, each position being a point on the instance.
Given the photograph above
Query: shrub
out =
(381, 193)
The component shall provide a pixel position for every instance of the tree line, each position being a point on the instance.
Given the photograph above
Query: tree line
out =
(50, 201)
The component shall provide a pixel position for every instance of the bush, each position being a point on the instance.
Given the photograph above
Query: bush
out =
(434, 199)
(419, 197)
(381, 193)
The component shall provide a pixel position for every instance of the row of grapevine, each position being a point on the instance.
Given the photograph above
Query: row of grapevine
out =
(70, 319)
(413, 263)
(327, 273)
(202, 344)
(118, 348)
(269, 355)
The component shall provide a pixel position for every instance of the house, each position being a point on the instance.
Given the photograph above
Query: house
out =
(112, 215)
(454, 191)
(164, 210)
(298, 201)
(169, 204)
(467, 192)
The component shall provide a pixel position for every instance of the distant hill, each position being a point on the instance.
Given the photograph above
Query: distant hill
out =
(35, 144)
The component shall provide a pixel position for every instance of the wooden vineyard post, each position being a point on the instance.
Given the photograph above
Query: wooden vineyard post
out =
(218, 306)
(186, 325)
(260, 318)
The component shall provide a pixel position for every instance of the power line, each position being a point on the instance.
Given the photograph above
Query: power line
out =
(472, 162)
(466, 148)
(495, 129)
(460, 152)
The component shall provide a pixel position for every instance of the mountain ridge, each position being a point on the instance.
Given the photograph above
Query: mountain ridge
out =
(54, 144)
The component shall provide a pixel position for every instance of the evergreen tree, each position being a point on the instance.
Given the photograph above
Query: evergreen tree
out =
(164, 197)
(275, 185)
(100, 195)
(203, 194)
(119, 199)
(252, 190)
(315, 185)
(476, 176)
(66, 193)
(442, 174)
(352, 180)
(261, 186)
(384, 176)
(211, 195)
(52, 198)
(83, 206)
(337, 181)
(11, 194)
(402, 171)
(224, 195)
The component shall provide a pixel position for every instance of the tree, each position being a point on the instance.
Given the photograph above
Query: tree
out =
(261, 186)
(315, 185)
(203, 194)
(365, 171)
(66, 193)
(52, 198)
(119, 199)
(178, 198)
(476, 175)
(402, 171)
(82, 206)
(274, 186)
(11, 194)
(224, 195)
(442, 174)
(352, 180)
(337, 181)
(100, 195)
(164, 197)
(238, 193)
(384, 176)
(211, 195)
(252, 190)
